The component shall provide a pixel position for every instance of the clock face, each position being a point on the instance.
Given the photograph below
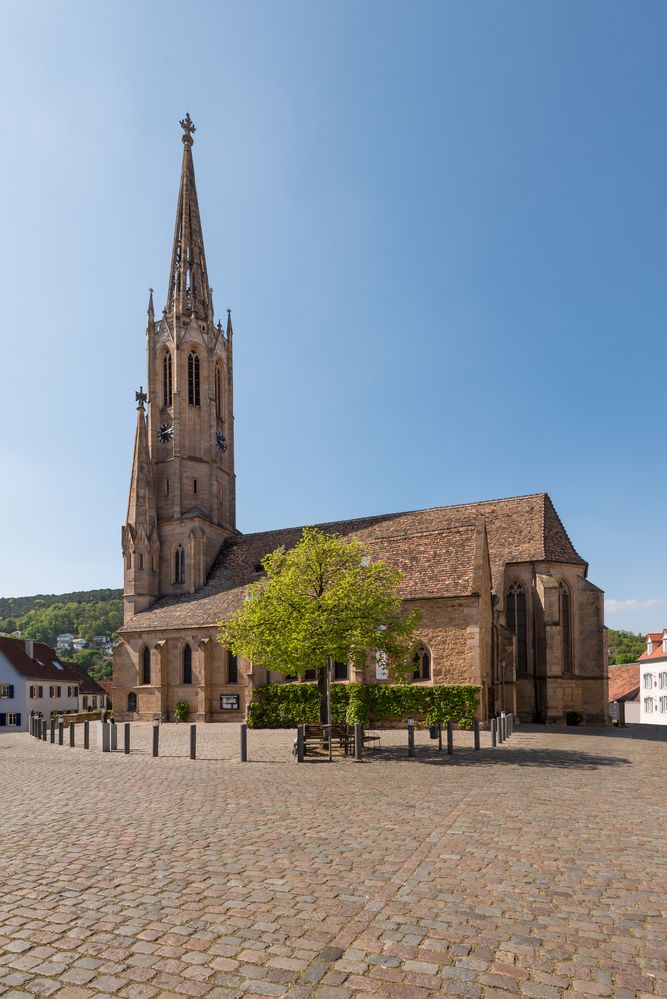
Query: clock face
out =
(220, 442)
(166, 432)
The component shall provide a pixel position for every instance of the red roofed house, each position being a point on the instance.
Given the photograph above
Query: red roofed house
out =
(33, 681)
(653, 679)
(506, 599)
(624, 684)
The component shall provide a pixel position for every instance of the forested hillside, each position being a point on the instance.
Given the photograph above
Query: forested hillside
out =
(84, 613)
(624, 647)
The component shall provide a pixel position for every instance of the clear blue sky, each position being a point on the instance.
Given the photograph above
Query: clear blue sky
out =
(441, 230)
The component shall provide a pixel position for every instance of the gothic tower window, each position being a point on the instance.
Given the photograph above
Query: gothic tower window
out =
(167, 381)
(194, 396)
(187, 664)
(179, 564)
(218, 391)
(145, 665)
(516, 623)
(422, 663)
(565, 627)
(233, 670)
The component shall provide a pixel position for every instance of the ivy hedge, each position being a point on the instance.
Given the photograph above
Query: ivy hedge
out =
(286, 705)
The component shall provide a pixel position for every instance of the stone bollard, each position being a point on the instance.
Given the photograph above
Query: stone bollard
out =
(72, 736)
(450, 737)
(494, 732)
(244, 743)
(499, 729)
(105, 737)
(126, 738)
(193, 742)
(300, 743)
(86, 735)
(475, 726)
(156, 737)
(411, 737)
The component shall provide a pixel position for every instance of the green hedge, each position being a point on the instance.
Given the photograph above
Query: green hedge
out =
(286, 705)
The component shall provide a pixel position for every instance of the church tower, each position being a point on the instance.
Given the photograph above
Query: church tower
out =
(184, 449)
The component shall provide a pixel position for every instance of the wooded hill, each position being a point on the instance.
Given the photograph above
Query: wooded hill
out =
(84, 613)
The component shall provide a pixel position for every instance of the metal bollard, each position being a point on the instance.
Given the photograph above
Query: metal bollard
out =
(244, 743)
(494, 731)
(358, 741)
(193, 742)
(61, 729)
(450, 737)
(72, 736)
(439, 736)
(499, 729)
(106, 737)
(475, 726)
(43, 729)
(156, 738)
(621, 714)
(52, 732)
(510, 724)
(126, 738)
(86, 735)
(113, 735)
(411, 737)
(300, 743)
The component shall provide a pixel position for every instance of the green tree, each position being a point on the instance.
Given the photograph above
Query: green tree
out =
(624, 646)
(325, 597)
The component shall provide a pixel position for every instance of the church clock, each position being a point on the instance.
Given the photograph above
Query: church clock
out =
(166, 433)
(220, 442)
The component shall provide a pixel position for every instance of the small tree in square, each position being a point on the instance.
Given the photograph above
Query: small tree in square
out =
(324, 597)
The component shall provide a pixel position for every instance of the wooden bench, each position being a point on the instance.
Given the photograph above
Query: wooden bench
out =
(317, 738)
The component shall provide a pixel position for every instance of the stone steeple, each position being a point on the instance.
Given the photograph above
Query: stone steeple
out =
(189, 292)
(140, 543)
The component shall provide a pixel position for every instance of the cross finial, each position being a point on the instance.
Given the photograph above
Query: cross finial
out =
(188, 127)
(141, 397)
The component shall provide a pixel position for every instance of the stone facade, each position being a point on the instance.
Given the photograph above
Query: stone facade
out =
(504, 595)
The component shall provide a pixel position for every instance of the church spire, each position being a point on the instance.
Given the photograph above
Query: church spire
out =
(189, 293)
(139, 536)
(141, 508)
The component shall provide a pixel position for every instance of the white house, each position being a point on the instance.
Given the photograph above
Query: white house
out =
(65, 640)
(33, 681)
(653, 680)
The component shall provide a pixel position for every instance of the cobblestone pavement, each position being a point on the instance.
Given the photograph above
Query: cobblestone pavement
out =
(536, 869)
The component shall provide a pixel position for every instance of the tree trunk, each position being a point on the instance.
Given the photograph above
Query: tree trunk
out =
(322, 692)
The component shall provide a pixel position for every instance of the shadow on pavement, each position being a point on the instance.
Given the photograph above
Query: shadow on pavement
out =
(562, 759)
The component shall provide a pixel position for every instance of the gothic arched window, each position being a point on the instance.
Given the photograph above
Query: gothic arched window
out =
(145, 665)
(218, 391)
(232, 669)
(194, 396)
(179, 564)
(187, 664)
(516, 622)
(167, 380)
(565, 615)
(132, 701)
(422, 663)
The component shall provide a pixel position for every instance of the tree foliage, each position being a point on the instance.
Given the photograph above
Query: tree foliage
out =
(624, 647)
(323, 597)
(43, 618)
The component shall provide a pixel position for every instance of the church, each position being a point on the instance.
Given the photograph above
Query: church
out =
(505, 597)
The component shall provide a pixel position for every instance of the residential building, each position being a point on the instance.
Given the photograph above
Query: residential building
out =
(33, 681)
(653, 679)
(624, 687)
(65, 640)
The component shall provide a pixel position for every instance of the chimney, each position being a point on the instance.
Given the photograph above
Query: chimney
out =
(29, 648)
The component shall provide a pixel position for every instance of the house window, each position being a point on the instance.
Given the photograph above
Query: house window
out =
(84, 703)
(516, 623)
(233, 669)
(663, 703)
(40, 691)
(648, 681)
(422, 662)
(32, 692)
(145, 665)
(218, 391)
(7, 690)
(565, 627)
(13, 718)
(58, 691)
(52, 691)
(166, 379)
(187, 664)
(132, 701)
(340, 671)
(662, 679)
(179, 564)
(648, 705)
(193, 379)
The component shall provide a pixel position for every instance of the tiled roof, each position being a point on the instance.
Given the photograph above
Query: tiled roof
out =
(658, 652)
(624, 682)
(107, 687)
(435, 549)
(86, 683)
(44, 665)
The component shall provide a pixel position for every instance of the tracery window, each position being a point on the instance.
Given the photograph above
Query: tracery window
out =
(233, 669)
(179, 564)
(194, 397)
(516, 622)
(132, 701)
(422, 663)
(218, 391)
(167, 379)
(145, 665)
(187, 664)
(565, 627)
